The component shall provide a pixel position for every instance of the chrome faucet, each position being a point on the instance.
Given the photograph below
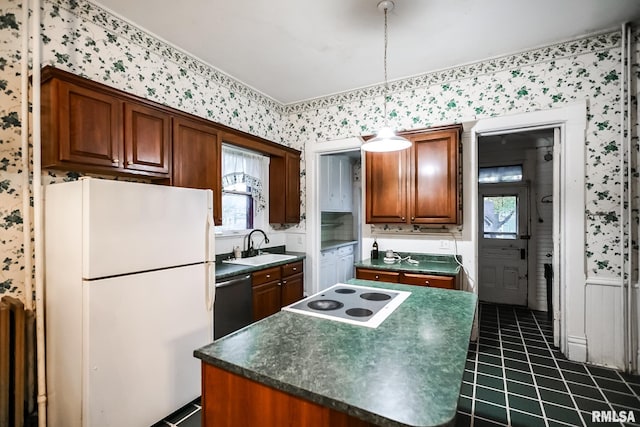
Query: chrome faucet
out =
(251, 251)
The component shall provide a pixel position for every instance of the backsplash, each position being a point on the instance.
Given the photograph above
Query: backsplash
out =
(80, 37)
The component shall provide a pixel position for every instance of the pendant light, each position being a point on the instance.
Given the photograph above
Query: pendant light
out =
(386, 139)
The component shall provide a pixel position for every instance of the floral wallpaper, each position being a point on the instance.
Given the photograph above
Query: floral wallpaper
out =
(80, 37)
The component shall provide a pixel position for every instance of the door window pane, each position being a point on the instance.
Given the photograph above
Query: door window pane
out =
(500, 174)
(500, 217)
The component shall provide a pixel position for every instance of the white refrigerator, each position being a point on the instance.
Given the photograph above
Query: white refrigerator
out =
(129, 289)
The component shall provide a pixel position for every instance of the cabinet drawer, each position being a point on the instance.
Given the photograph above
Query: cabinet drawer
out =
(345, 250)
(266, 275)
(290, 269)
(381, 276)
(445, 282)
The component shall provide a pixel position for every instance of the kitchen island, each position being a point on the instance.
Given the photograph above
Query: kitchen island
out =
(293, 369)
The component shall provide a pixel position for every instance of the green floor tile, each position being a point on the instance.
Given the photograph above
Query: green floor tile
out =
(492, 382)
(516, 355)
(546, 361)
(551, 383)
(490, 359)
(605, 373)
(556, 397)
(464, 405)
(560, 413)
(462, 420)
(489, 395)
(578, 378)
(589, 405)
(514, 364)
(585, 391)
(489, 369)
(519, 419)
(546, 371)
(530, 406)
(612, 385)
(524, 390)
(519, 376)
(491, 412)
(466, 389)
(572, 366)
(621, 399)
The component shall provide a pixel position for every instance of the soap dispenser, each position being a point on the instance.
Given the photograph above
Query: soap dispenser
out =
(374, 250)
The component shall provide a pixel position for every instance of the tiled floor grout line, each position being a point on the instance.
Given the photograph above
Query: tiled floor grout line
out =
(504, 372)
(533, 375)
(570, 392)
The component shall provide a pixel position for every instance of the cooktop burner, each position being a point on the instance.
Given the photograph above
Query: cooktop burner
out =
(358, 305)
(325, 304)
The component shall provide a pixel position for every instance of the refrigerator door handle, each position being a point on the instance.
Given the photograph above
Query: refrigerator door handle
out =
(211, 286)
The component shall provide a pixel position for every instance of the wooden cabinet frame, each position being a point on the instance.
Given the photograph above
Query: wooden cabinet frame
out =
(419, 185)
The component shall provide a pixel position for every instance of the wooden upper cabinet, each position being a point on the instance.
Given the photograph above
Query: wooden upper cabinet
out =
(419, 185)
(80, 126)
(284, 188)
(90, 127)
(434, 184)
(197, 159)
(147, 138)
(386, 182)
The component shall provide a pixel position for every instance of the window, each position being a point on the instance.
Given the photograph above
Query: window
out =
(490, 175)
(243, 198)
(500, 217)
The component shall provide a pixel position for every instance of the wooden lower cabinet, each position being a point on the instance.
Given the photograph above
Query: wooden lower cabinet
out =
(276, 287)
(444, 282)
(230, 400)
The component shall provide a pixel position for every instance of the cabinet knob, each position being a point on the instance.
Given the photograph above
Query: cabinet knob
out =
(377, 277)
(402, 218)
(295, 269)
(413, 218)
(115, 161)
(426, 282)
(284, 282)
(268, 276)
(279, 284)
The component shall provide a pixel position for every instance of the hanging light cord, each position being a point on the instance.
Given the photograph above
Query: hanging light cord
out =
(386, 83)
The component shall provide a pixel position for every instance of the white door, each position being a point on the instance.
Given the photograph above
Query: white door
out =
(503, 244)
(140, 332)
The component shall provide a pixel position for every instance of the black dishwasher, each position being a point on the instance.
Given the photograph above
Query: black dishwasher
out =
(232, 308)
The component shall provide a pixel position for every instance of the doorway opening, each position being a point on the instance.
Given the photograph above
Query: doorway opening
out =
(516, 218)
(340, 201)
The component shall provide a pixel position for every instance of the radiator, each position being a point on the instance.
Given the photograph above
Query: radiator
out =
(17, 366)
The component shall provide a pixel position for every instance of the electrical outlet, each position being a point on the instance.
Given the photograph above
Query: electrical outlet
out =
(445, 244)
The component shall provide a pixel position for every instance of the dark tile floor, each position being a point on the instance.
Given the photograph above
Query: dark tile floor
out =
(515, 377)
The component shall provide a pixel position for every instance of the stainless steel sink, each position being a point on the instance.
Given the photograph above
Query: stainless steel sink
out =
(260, 259)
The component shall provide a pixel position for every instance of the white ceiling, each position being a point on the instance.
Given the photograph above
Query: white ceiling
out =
(294, 50)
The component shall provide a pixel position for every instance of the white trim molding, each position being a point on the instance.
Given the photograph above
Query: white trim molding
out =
(577, 348)
(569, 261)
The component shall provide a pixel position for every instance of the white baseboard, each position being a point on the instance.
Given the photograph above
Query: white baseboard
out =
(577, 348)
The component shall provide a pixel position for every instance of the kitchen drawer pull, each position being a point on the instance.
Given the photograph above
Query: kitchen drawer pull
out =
(377, 277)
(426, 282)
(268, 276)
(295, 269)
(284, 282)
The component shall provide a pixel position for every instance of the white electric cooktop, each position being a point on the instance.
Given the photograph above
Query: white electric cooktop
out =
(357, 305)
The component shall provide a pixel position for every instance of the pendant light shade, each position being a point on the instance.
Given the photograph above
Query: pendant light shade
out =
(386, 139)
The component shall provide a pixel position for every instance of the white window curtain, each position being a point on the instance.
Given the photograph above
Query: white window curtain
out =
(245, 167)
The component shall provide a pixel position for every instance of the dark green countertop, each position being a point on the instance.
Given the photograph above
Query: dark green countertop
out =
(406, 372)
(224, 270)
(441, 265)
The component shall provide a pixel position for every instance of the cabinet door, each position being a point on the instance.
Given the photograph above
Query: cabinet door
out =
(266, 300)
(346, 192)
(197, 159)
(434, 185)
(292, 200)
(284, 189)
(386, 187)
(328, 268)
(292, 289)
(90, 126)
(345, 268)
(147, 138)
